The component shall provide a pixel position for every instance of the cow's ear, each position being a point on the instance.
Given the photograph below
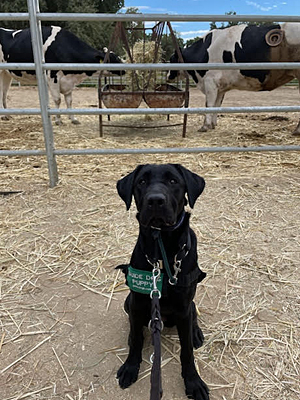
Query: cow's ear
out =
(194, 184)
(125, 186)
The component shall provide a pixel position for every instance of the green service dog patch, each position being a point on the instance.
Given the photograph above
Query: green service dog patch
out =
(142, 281)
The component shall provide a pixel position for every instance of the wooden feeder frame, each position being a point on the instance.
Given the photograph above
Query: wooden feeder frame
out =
(117, 96)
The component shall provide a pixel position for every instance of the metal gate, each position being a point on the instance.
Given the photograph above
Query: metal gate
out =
(35, 18)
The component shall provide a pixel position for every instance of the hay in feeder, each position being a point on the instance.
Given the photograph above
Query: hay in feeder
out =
(144, 52)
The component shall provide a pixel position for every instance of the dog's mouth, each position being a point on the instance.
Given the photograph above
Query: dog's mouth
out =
(160, 223)
(157, 222)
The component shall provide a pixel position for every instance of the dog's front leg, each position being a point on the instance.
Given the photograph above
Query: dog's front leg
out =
(195, 388)
(128, 372)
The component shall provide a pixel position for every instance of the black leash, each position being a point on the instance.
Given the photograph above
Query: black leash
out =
(156, 324)
(156, 327)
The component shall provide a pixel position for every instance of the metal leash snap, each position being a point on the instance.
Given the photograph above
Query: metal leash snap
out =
(173, 280)
(155, 276)
(177, 268)
(152, 293)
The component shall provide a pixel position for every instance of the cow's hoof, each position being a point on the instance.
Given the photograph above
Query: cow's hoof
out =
(75, 122)
(198, 337)
(206, 128)
(296, 133)
(195, 388)
(58, 123)
(127, 374)
(5, 118)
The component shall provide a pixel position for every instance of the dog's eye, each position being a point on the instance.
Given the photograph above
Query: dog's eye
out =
(173, 181)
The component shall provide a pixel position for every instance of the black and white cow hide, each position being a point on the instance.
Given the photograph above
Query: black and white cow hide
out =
(237, 44)
(59, 46)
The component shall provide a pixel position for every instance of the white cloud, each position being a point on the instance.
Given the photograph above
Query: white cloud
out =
(260, 7)
(194, 33)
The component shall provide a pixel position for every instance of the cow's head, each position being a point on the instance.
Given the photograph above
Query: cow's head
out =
(113, 59)
(173, 74)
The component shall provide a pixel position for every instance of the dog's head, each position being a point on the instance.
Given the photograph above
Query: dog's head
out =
(159, 192)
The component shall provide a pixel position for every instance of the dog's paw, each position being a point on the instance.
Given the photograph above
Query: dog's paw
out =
(127, 374)
(198, 337)
(195, 388)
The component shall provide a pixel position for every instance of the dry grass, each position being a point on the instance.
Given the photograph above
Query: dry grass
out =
(62, 328)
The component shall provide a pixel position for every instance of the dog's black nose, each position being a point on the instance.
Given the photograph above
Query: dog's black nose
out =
(156, 200)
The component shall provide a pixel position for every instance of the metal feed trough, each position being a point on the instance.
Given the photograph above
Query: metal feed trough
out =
(130, 90)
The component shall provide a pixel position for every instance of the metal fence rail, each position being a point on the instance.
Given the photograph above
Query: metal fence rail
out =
(35, 17)
(154, 67)
(168, 150)
(149, 17)
(147, 111)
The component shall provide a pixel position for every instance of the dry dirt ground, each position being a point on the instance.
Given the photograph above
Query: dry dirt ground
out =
(63, 331)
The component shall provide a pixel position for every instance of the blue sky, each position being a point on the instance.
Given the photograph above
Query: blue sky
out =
(189, 30)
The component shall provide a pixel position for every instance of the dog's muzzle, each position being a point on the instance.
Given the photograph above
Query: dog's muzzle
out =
(157, 211)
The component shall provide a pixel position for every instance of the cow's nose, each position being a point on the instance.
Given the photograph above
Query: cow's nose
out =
(156, 200)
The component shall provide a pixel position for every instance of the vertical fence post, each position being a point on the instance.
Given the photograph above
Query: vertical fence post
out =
(37, 48)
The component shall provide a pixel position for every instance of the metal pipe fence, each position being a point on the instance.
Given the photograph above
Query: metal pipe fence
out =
(149, 17)
(147, 111)
(35, 17)
(154, 67)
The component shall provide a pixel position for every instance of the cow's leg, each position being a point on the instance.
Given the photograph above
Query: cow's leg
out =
(67, 85)
(5, 81)
(68, 100)
(218, 103)
(213, 97)
(297, 130)
(54, 88)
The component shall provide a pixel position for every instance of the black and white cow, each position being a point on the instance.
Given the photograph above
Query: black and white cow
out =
(241, 43)
(59, 46)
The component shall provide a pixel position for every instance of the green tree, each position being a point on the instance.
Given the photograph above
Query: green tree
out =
(97, 34)
(108, 6)
(191, 41)
(168, 45)
(213, 25)
(223, 25)
(135, 29)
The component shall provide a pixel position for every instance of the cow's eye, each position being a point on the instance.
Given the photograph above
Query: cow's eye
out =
(173, 181)
(142, 181)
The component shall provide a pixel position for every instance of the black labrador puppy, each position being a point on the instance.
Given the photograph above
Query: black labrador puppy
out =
(159, 191)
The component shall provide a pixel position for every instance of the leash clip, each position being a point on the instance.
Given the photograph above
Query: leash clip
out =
(177, 268)
(155, 275)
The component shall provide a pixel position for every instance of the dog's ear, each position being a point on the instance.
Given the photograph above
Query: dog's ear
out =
(194, 184)
(125, 186)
